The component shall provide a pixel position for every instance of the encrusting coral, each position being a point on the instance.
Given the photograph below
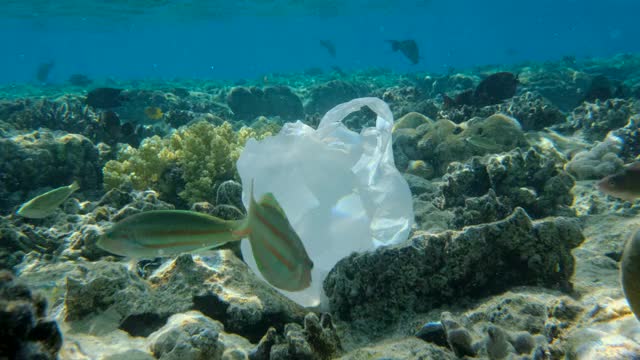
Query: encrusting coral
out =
(203, 156)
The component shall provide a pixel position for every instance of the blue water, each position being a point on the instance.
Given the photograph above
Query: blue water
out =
(211, 39)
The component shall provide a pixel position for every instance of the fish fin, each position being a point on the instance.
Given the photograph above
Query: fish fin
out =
(241, 228)
(74, 186)
(277, 249)
(269, 200)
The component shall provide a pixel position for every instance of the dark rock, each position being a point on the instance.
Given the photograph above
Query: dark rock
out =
(249, 103)
(25, 333)
(436, 269)
(600, 89)
(433, 332)
(45, 159)
(325, 96)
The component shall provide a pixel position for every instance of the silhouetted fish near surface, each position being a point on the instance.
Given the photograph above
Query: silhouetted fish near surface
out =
(277, 249)
(104, 98)
(42, 74)
(408, 48)
(331, 48)
(624, 185)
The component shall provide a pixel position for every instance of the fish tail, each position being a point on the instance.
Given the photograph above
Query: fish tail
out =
(242, 228)
(75, 185)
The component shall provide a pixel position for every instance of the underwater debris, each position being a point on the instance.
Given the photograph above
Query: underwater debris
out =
(408, 48)
(80, 80)
(104, 98)
(42, 74)
(331, 48)
(46, 204)
(624, 185)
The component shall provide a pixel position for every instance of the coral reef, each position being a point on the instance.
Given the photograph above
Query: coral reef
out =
(503, 193)
(323, 97)
(193, 336)
(432, 270)
(516, 179)
(190, 164)
(598, 118)
(26, 332)
(597, 162)
(219, 286)
(45, 159)
(442, 142)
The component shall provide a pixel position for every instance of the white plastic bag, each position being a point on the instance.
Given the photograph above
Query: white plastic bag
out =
(340, 190)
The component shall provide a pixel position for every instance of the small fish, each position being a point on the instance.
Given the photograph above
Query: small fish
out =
(153, 112)
(46, 204)
(624, 185)
(331, 48)
(278, 250)
(408, 48)
(483, 143)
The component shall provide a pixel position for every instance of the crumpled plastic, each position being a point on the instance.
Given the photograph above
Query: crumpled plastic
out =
(340, 190)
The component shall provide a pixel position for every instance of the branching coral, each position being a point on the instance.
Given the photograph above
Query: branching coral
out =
(205, 155)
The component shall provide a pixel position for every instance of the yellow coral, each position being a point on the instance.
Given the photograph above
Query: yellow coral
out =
(205, 153)
(141, 167)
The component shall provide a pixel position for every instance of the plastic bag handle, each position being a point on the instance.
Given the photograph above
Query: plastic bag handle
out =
(334, 117)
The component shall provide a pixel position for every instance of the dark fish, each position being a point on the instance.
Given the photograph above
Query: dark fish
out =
(43, 71)
(79, 80)
(462, 98)
(624, 185)
(111, 123)
(104, 98)
(408, 48)
(331, 48)
(599, 89)
(495, 88)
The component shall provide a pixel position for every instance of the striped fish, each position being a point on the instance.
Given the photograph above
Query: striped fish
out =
(46, 204)
(278, 250)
